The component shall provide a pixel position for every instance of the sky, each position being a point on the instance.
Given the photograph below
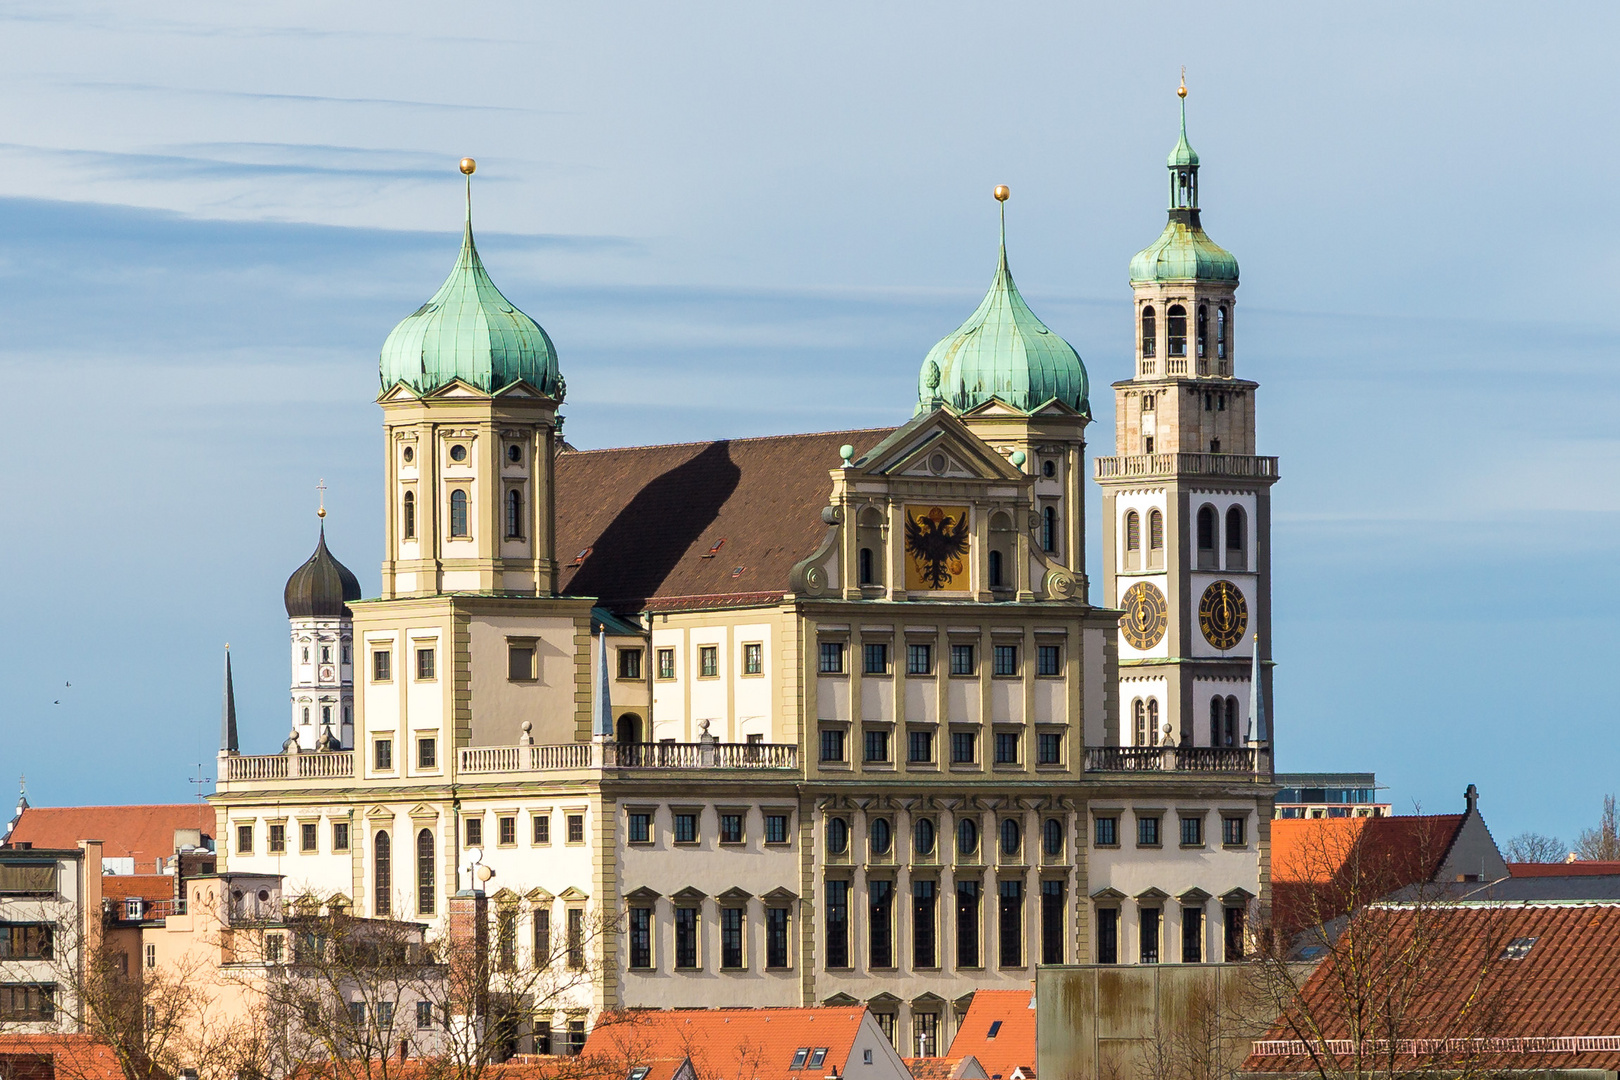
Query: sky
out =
(741, 219)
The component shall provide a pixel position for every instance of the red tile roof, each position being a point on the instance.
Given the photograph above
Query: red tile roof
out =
(945, 1068)
(1012, 1045)
(695, 524)
(1321, 866)
(758, 1044)
(145, 833)
(62, 1057)
(1580, 868)
(1560, 995)
(118, 887)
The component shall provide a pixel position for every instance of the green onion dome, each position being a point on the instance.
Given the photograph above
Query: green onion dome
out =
(1003, 351)
(1183, 252)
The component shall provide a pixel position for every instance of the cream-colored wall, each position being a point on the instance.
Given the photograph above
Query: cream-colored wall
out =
(499, 705)
(736, 705)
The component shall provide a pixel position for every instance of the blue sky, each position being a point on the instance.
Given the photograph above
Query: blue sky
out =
(740, 219)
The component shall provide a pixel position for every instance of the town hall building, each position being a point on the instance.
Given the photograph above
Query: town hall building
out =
(802, 719)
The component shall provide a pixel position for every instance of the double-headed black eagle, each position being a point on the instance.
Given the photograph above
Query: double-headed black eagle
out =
(938, 542)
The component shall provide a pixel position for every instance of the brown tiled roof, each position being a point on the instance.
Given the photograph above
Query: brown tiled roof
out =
(1579, 868)
(1561, 993)
(145, 833)
(57, 1057)
(649, 516)
(1320, 865)
(1012, 1045)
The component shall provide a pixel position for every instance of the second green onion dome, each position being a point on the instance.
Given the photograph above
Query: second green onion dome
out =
(1003, 351)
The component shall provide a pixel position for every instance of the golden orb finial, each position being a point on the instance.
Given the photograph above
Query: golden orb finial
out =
(1181, 91)
(1002, 193)
(468, 166)
(321, 512)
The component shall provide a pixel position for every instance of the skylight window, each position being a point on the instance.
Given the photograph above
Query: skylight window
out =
(640, 1072)
(995, 1027)
(817, 1056)
(1518, 948)
(798, 1057)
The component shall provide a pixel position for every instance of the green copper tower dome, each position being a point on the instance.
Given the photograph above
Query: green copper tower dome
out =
(1183, 252)
(469, 331)
(1003, 351)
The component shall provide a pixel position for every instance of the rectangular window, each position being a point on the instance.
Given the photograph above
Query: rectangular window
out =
(832, 744)
(629, 663)
(1147, 926)
(919, 659)
(576, 1037)
(1048, 659)
(686, 937)
(1011, 922)
(475, 832)
(926, 1027)
(1006, 748)
(877, 746)
(640, 827)
(1192, 935)
(799, 1057)
(1147, 831)
(838, 924)
(340, 836)
(1051, 922)
(686, 827)
(731, 938)
(27, 1002)
(357, 1014)
(520, 663)
(1232, 831)
(920, 746)
(1107, 832)
(278, 840)
(641, 937)
(424, 1015)
(308, 836)
(576, 828)
(424, 664)
(1192, 832)
(731, 828)
(875, 658)
(880, 923)
(32, 941)
(1107, 935)
(967, 924)
(382, 666)
(151, 953)
(383, 755)
(506, 831)
(924, 915)
(427, 753)
(666, 663)
(576, 938)
(506, 939)
(832, 658)
(1234, 934)
(542, 828)
(776, 828)
(776, 938)
(1048, 748)
(962, 660)
(1005, 661)
(542, 938)
(542, 1036)
(753, 658)
(708, 661)
(964, 747)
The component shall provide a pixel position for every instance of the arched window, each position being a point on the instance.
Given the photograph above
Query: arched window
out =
(1049, 529)
(514, 514)
(1207, 523)
(458, 512)
(882, 835)
(1133, 540)
(1203, 331)
(410, 515)
(1220, 332)
(996, 581)
(1217, 721)
(865, 563)
(1155, 538)
(1012, 835)
(1150, 332)
(1052, 836)
(967, 836)
(922, 836)
(306, 714)
(1178, 330)
(1153, 721)
(629, 728)
(424, 872)
(326, 715)
(382, 862)
(1231, 721)
(1139, 715)
(1236, 538)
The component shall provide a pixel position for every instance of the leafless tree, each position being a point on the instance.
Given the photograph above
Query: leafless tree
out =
(1533, 847)
(1601, 844)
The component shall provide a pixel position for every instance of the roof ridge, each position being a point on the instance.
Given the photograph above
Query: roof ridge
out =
(744, 438)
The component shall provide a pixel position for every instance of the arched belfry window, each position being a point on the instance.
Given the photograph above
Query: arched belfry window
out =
(1220, 332)
(1203, 331)
(997, 574)
(410, 515)
(1153, 721)
(1231, 721)
(1236, 537)
(1150, 332)
(382, 862)
(865, 560)
(1133, 541)
(1217, 721)
(458, 512)
(514, 514)
(1207, 525)
(1139, 716)
(424, 872)
(1178, 330)
(1155, 539)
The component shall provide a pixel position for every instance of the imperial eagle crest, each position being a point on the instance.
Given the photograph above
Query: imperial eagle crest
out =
(937, 545)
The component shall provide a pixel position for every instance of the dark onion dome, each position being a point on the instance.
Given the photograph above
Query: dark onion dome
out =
(322, 587)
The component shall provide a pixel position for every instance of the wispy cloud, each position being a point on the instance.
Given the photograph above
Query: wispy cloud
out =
(224, 94)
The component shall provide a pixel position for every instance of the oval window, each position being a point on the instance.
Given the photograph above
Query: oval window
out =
(882, 836)
(967, 836)
(1054, 836)
(923, 836)
(514, 454)
(409, 454)
(1011, 834)
(458, 453)
(1048, 468)
(837, 836)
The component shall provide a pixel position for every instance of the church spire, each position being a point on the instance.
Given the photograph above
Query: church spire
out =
(227, 715)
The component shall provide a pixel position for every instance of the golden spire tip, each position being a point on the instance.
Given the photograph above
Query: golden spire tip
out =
(1002, 193)
(1181, 91)
(468, 166)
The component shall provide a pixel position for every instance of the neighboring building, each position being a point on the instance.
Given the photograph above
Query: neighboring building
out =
(946, 1068)
(999, 1031)
(50, 921)
(1328, 795)
(57, 1057)
(135, 839)
(810, 718)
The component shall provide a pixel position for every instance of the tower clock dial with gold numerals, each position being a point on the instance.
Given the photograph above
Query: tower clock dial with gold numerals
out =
(1146, 615)
(1223, 614)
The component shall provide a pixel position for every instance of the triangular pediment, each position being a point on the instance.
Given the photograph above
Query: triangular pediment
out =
(398, 392)
(379, 812)
(883, 999)
(573, 893)
(538, 896)
(422, 810)
(1236, 897)
(688, 894)
(506, 897)
(522, 388)
(1193, 896)
(779, 894)
(735, 895)
(994, 407)
(642, 895)
(456, 388)
(1056, 407)
(936, 446)
(841, 1000)
(1108, 894)
(1154, 895)
(928, 997)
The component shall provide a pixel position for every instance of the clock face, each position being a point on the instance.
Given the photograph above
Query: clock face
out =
(1146, 615)
(1223, 615)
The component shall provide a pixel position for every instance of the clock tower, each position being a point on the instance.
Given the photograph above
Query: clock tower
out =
(1187, 502)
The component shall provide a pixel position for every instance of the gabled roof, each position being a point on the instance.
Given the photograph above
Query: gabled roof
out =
(755, 1044)
(1006, 1013)
(695, 524)
(946, 1068)
(145, 833)
(1579, 868)
(1559, 986)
